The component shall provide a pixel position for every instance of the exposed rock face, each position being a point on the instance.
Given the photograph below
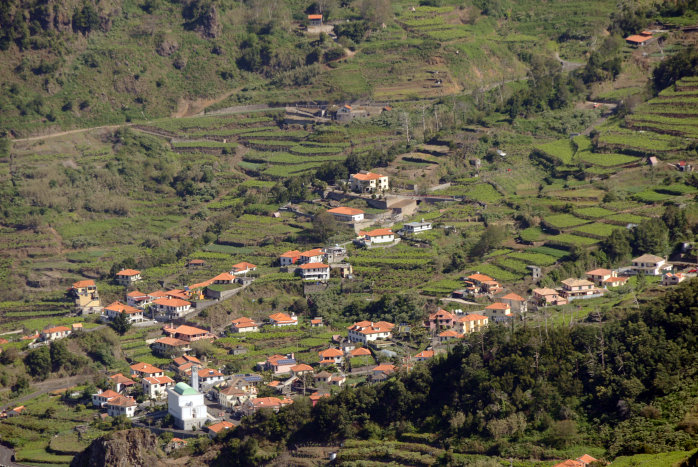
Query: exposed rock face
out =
(126, 448)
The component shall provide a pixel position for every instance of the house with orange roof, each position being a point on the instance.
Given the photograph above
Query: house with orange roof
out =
(472, 322)
(546, 297)
(574, 289)
(598, 276)
(673, 279)
(289, 257)
(122, 405)
(368, 182)
(55, 333)
(224, 278)
(516, 302)
(282, 319)
(85, 294)
(346, 214)
(274, 403)
(315, 398)
(314, 271)
(218, 428)
(360, 352)
(442, 319)
(102, 397)
(244, 324)
(179, 361)
(314, 20)
(155, 387)
(128, 276)
(144, 370)
(173, 308)
(316, 255)
(376, 236)
(640, 40)
(138, 299)
(301, 369)
(331, 356)
(448, 335)
(170, 346)
(242, 268)
(231, 396)
(188, 333)
(316, 322)
(367, 331)
(279, 364)
(133, 315)
(498, 311)
(208, 378)
(478, 284)
(382, 372)
(121, 382)
(424, 355)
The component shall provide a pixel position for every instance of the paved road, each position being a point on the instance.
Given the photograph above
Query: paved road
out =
(6, 456)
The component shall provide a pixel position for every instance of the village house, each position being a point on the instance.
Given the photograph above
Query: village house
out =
(478, 284)
(188, 333)
(121, 382)
(442, 319)
(448, 335)
(545, 297)
(170, 346)
(316, 255)
(314, 271)
(673, 279)
(615, 281)
(345, 214)
(102, 397)
(469, 323)
(231, 397)
(368, 182)
(145, 370)
(187, 407)
(282, 319)
(368, 331)
(173, 308)
(85, 294)
(128, 276)
(684, 166)
(360, 352)
(122, 405)
(314, 20)
(376, 236)
(218, 428)
(334, 254)
(498, 311)
(516, 302)
(279, 364)
(223, 278)
(316, 322)
(184, 359)
(138, 299)
(331, 356)
(155, 387)
(347, 113)
(640, 40)
(416, 227)
(290, 257)
(382, 372)
(133, 315)
(323, 377)
(573, 289)
(650, 265)
(315, 398)
(55, 333)
(598, 276)
(424, 355)
(208, 377)
(244, 324)
(301, 369)
(242, 268)
(251, 406)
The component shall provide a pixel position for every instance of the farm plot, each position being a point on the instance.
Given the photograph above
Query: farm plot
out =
(548, 251)
(570, 240)
(562, 150)
(605, 159)
(595, 230)
(563, 221)
(624, 219)
(532, 234)
(537, 259)
(496, 272)
(483, 192)
(255, 230)
(593, 212)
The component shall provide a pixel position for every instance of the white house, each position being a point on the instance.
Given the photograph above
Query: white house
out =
(377, 236)
(208, 377)
(282, 319)
(367, 331)
(187, 407)
(144, 370)
(316, 255)
(573, 289)
(673, 279)
(138, 299)
(244, 324)
(155, 387)
(133, 315)
(122, 405)
(368, 182)
(102, 397)
(331, 356)
(516, 302)
(314, 271)
(242, 268)
(345, 214)
(128, 276)
(58, 332)
(290, 257)
(650, 265)
(416, 227)
(172, 307)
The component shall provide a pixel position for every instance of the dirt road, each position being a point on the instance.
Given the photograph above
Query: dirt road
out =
(44, 387)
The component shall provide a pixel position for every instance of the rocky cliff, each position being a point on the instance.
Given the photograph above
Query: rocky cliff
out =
(126, 448)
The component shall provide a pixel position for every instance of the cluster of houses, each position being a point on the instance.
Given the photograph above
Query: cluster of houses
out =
(48, 335)
(314, 264)
(448, 326)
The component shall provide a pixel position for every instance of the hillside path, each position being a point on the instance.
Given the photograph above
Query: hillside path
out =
(44, 387)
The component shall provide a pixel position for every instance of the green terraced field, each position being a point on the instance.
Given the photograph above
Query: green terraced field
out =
(573, 240)
(562, 149)
(563, 221)
(593, 212)
(597, 230)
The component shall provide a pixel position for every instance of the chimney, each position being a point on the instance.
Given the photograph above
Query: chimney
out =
(195, 377)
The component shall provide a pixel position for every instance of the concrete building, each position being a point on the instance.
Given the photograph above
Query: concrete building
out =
(368, 182)
(416, 227)
(314, 271)
(650, 265)
(345, 214)
(186, 405)
(128, 276)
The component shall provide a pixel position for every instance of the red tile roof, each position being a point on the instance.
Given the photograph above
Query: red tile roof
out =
(56, 329)
(119, 307)
(345, 211)
(314, 16)
(313, 252)
(128, 272)
(638, 38)
(83, 284)
(385, 368)
(224, 276)
(159, 380)
(331, 352)
(109, 394)
(367, 176)
(291, 254)
(173, 302)
(282, 317)
(379, 233)
(171, 342)
(220, 426)
(123, 401)
(121, 379)
(480, 277)
(186, 330)
(243, 266)
(146, 368)
(498, 306)
(425, 354)
(600, 272)
(361, 351)
(301, 367)
(208, 373)
(314, 266)
(514, 297)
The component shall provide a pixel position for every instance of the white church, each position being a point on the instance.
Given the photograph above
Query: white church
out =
(186, 404)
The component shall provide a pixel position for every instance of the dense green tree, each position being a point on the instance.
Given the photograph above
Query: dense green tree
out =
(120, 323)
(324, 226)
(651, 236)
(617, 246)
(38, 362)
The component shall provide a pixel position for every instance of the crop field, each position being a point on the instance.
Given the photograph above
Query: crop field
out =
(596, 230)
(652, 196)
(254, 230)
(511, 264)
(535, 258)
(563, 221)
(562, 149)
(572, 240)
(604, 159)
(532, 234)
(548, 251)
(483, 192)
(496, 272)
(593, 212)
(625, 218)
